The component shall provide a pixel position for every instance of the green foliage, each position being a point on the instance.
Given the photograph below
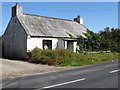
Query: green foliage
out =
(110, 39)
(71, 36)
(50, 57)
(63, 57)
(90, 43)
(80, 43)
(106, 40)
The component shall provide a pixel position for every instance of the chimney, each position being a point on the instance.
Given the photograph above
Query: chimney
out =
(17, 10)
(79, 19)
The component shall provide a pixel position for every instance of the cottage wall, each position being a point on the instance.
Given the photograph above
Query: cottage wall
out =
(38, 42)
(57, 43)
(74, 46)
(14, 40)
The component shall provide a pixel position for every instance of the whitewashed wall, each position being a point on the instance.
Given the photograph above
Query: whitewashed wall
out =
(38, 42)
(75, 46)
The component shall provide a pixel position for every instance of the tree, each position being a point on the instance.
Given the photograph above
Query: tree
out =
(110, 39)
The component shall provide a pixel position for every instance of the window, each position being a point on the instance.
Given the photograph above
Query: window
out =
(47, 44)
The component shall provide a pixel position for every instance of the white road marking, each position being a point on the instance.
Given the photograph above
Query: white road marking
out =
(64, 83)
(115, 71)
(14, 83)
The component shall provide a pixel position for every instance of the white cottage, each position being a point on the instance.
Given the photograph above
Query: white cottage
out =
(25, 32)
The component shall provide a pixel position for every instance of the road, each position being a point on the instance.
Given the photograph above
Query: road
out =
(104, 75)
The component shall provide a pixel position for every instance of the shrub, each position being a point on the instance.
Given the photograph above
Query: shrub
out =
(64, 57)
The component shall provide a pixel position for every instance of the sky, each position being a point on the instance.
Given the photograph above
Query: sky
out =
(96, 15)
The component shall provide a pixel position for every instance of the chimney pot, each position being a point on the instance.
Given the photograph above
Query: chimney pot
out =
(79, 19)
(16, 3)
(17, 10)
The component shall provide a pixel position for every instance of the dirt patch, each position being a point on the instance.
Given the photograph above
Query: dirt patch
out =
(10, 68)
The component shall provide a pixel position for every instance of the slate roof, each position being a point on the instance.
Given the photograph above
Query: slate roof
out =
(35, 25)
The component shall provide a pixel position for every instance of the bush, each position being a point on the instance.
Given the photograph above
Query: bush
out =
(64, 57)
(50, 57)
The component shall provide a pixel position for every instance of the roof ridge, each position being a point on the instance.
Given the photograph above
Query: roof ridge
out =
(49, 17)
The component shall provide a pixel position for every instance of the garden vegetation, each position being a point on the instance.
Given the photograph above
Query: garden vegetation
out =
(64, 57)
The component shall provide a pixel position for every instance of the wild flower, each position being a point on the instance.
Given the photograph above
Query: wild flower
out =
(62, 51)
(89, 58)
(60, 61)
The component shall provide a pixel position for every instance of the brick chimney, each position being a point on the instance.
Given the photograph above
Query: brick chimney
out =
(79, 19)
(17, 10)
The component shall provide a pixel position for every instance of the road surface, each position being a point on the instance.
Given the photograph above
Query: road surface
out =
(104, 75)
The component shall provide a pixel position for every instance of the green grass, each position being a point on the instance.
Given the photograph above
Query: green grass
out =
(63, 57)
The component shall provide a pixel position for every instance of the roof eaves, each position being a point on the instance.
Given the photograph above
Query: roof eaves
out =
(50, 37)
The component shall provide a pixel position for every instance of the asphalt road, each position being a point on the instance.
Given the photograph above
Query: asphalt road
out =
(104, 75)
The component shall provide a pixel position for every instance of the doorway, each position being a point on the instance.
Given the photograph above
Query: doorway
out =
(47, 44)
(70, 45)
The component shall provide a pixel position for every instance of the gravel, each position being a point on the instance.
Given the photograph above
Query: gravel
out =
(12, 68)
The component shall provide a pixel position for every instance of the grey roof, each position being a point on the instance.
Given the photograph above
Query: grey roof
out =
(35, 25)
